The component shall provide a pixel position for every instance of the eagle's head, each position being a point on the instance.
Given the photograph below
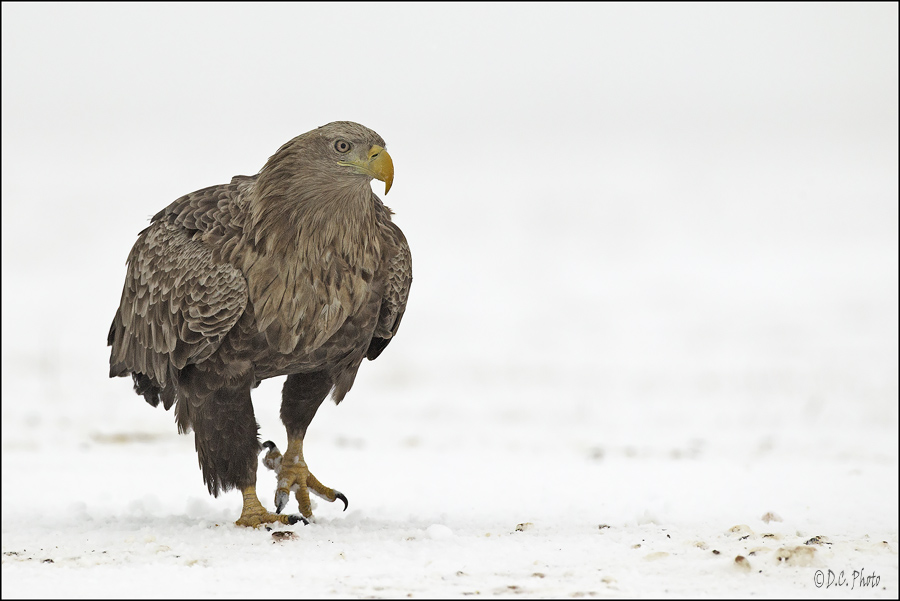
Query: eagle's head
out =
(342, 153)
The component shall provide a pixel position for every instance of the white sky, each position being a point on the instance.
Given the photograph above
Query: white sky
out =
(177, 96)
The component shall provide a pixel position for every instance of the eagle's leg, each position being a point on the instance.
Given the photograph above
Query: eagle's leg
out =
(225, 436)
(301, 397)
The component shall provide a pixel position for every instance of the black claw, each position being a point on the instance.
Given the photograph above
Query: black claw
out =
(298, 518)
(281, 499)
(272, 458)
(338, 495)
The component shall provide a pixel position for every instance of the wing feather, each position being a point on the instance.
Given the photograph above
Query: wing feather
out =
(393, 304)
(181, 297)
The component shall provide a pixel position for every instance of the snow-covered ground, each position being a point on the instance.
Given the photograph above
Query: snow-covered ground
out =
(652, 342)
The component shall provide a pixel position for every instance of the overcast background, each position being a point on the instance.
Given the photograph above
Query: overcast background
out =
(637, 230)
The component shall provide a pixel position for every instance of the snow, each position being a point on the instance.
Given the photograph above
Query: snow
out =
(651, 347)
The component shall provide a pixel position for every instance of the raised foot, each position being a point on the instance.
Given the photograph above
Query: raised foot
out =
(294, 475)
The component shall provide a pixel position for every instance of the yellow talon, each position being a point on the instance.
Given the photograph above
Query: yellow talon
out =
(254, 515)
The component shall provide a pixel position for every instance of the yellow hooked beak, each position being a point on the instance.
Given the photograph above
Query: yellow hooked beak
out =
(377, 164)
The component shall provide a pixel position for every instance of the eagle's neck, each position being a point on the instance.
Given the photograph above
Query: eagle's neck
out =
(310, 218)
(313, 253)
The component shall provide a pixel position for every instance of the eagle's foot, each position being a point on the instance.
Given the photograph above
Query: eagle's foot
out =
(294, 475)
(254, 514)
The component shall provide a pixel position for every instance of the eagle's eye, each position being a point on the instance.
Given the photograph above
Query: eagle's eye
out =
(342, 146)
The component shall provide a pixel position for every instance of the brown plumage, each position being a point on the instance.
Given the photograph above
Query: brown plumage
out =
(296, 271)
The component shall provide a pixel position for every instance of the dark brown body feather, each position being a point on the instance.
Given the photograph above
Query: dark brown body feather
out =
(291, 272)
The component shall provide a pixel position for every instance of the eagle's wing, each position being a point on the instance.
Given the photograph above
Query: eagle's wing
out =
(180, 299)
(393, 305)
